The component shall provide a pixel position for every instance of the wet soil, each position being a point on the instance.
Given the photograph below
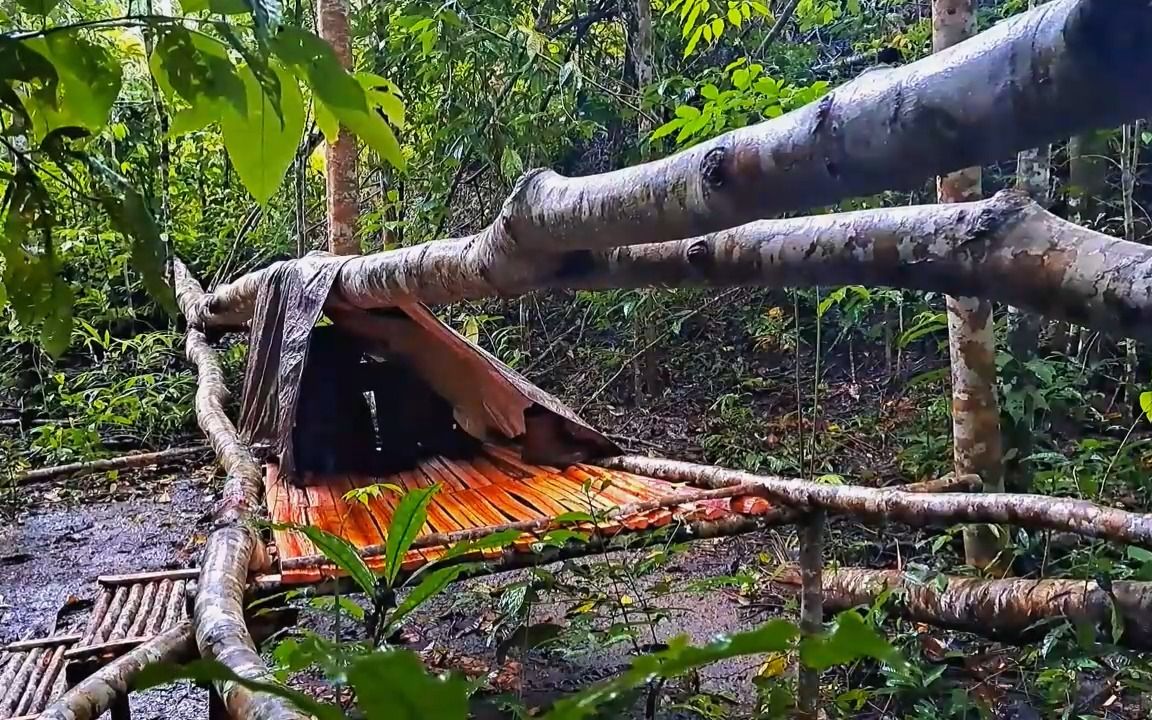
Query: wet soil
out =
(52, 553)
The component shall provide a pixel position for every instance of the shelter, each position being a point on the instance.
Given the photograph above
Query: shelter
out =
(398, 400)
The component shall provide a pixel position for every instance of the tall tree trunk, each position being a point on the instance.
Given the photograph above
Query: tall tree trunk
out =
(972, 344)
(646, 370)
(1129, 170)
(340, 161)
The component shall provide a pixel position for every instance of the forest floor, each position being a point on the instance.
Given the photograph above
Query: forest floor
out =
(726, 401)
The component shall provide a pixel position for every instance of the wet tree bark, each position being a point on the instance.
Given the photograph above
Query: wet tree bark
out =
(1032, 79)
(1005, 248)
(976, 440)
(341, 183)
(915, 509)
(233, 546)
(1014, 610)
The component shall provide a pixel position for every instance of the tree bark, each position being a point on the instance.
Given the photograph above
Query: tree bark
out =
(162, 457)
(646, 372)
(1032, 79)
(94, 695)
(1012, 610)
(221, 632)
(915, 509)
(1005, 248)
(976, 443)
(342, 187)
(811, 606)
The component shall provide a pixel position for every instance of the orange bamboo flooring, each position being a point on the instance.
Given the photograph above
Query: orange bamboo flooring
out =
(494, 488)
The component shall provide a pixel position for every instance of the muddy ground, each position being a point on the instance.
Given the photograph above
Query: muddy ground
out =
(52, 551)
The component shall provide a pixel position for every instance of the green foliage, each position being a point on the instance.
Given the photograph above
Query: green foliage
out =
(747, 95)
(705, 20)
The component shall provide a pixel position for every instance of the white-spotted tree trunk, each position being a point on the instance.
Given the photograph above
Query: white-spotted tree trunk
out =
(972, 344)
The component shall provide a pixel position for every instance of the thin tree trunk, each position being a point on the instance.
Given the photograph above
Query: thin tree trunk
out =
(1013, 610)
(976, 440)
(646, 371)
(915, 509)
(1087, 177)
(340, 161)
(811, 606)
(1129, 169)
(1005, 248)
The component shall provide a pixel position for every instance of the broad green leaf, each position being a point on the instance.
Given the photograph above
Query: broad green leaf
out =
(501, 539)
(375, 132)
(314, 61)
(89, 82)
(39, 7)
(433, 584)
(1146, 403)
(132, 218)
(383, 95)
(22, 61)
(192, 6)
(326, 121)
(410, 516)
(341, 552)
(850, 640)
(395, 686)
(206, 671)
(191, 119)
(56, 334)
(667, 128)
(260, 146)
(198, 70)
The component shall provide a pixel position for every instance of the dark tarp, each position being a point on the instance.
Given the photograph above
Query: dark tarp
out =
(289, 303)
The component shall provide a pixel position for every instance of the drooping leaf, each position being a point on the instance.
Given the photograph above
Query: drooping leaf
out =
(326, 121)
(432, 585)
(383, 95)
(395, 686)
(410, 516)
(56, 333)
(89, 83)
(342, 553)
(315, 62)
(260, 146)
(198, 70)
(511, 166)
(19, 61)
(206, 671)
(376, 133)
(851, 639)
(1146, 403)
(132, 218)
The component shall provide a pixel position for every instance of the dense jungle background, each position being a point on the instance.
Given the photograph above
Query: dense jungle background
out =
(117, 151)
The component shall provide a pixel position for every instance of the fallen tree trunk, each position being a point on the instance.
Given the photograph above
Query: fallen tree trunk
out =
(1013, 610)
(221, 632)
(916, 509)
(1035, 78)
(94, 695)
(162, 457)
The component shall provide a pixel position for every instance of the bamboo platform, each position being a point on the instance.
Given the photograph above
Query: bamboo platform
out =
(494, 489)
(130, 610)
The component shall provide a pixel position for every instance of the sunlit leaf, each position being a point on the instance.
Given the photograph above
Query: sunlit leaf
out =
(260, 146)
(342, 553)
(410, 516)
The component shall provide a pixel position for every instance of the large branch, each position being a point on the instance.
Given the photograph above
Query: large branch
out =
(1006, 248)
(124, 462)
(916, 509)
(1015, 610)
(1035, 78)
(221, 632)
